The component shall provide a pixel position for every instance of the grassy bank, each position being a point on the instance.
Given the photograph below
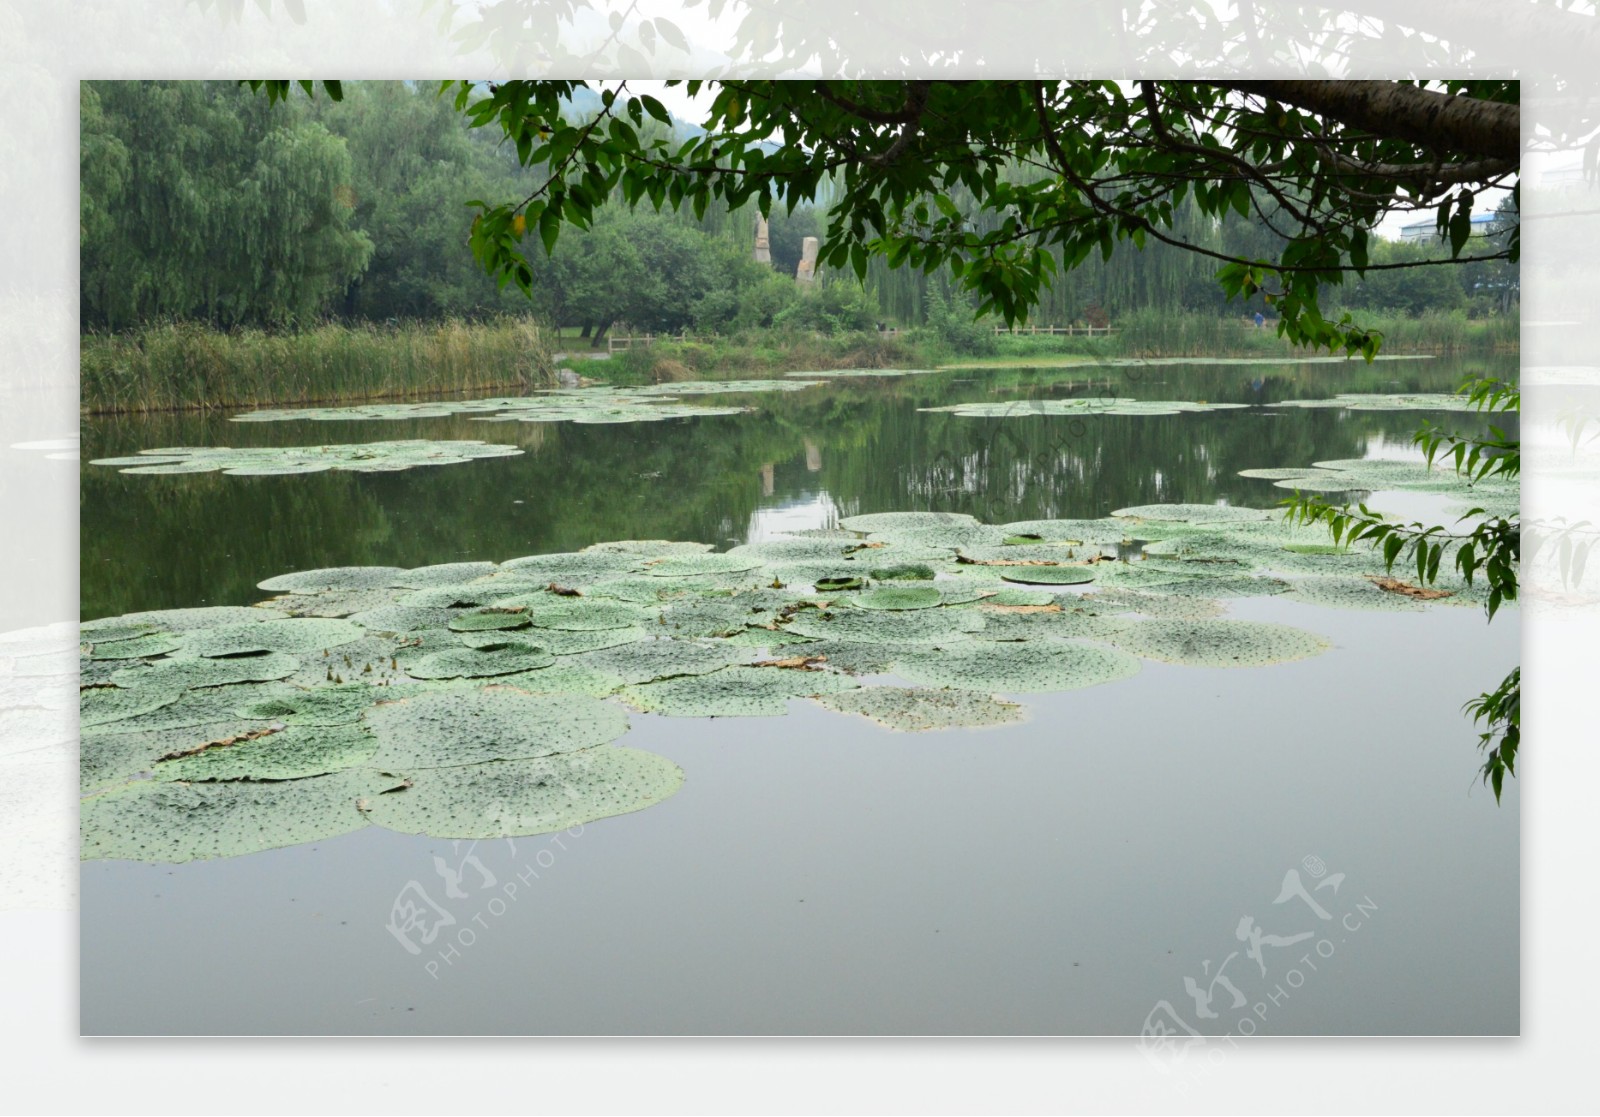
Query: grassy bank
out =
(188, 367)
(1139, 335)
(758, 353)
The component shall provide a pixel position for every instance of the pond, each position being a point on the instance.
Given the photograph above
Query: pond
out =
(1298, 848)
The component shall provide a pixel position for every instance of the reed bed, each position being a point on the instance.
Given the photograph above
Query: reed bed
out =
(183, 366)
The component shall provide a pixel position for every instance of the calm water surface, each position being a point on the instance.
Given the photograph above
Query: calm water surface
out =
(818, 874)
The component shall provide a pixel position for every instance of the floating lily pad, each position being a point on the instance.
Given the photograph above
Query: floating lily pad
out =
(648, 548)
(899, 597)
(196, 671)
(102, 705)
(516, 798)
(681, 566)
(1219, 643)
(1048, 575)
(334, 578)
(1337, 592)
(297, 634)
(447, 728)
(917, 710)
(333, 705)
(662, 659)
(902, 521)
(838, 584)
(175, 822)
(1025, 598)
(572, 568)
(139, 647)
(477, 663)
(1194, 513)
(1162, 605)
(1026, 667)
(902, 572)
(733, 692)
(490, 619)
(179, 620)
(916, 626)
(581, 614)
(279, 753)
(274, 460)
(442, 574)
(333, 603)
(402, 618)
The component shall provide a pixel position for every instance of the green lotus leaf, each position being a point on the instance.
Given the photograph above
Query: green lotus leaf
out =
(732, 692)
(1021, 598)
(442, 574)
(914, 626)
(899, 597)
(457, 726)
(279, 753)
(489, 619)
(477, 663)
(196, 671)
(139, 647)
(1193, 513)
(839, 584)
(1279, 474)
(332, 603)
(852, 656)
(579, 614)
(903, 572)
(1049, 575)
(1162, 605)
(333, 578)
(181, 620)
(1067, 623)
(682, 566)
(1090, 532)
(917, 710)
(517, 798)
(878, 522)
(661, 659)
(103, 705)
(1336, 592)
(793, 550)
(154, 820)
(116, 629)
(574, 568)
(332, 705)
(1219, 643)
(1024, 667)
(647, 548)
(297, 634)
(402, 618)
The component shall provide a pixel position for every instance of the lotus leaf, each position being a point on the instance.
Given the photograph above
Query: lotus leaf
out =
(923, 708)
(1219, 643)
(899, 597)
(457, 726)
(733, 692)
(516, 798)
(477, 663)
(297, 634)
(196, 671)
(1023, 667)
(174, 822)
(278, 753)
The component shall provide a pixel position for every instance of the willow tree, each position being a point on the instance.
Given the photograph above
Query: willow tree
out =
(198, 202)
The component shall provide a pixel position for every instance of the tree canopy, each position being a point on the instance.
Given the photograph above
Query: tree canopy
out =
(996, 180)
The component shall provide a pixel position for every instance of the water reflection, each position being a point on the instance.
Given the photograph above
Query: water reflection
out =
(795, 460)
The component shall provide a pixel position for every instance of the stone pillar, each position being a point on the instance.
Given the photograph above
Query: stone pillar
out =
(763, 242)
(807, 271)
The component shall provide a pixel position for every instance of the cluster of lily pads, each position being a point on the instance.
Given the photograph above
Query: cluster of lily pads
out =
(1005, 409)
(475, 699)
(257, 461)
(1494, 495)
(593, 404)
